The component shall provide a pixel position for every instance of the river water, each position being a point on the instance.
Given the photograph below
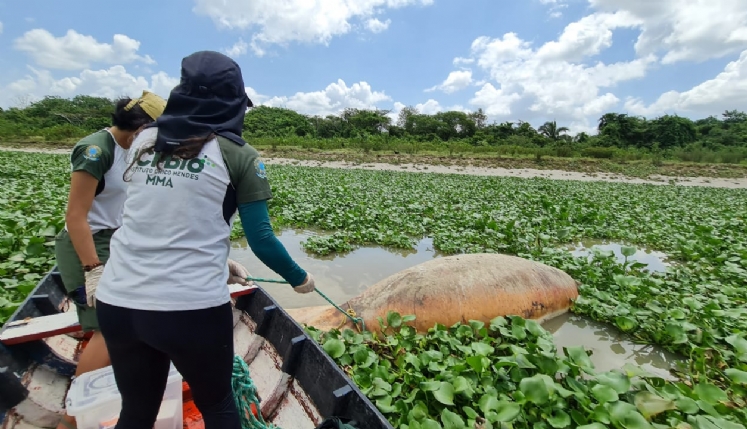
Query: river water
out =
(342, 277)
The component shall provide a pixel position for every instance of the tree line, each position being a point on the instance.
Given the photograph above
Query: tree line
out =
(720, 138)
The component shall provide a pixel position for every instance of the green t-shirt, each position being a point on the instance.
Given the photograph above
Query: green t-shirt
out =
(99, 155)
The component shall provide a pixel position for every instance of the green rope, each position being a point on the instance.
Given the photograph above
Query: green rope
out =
(355, 320)
(245, 394)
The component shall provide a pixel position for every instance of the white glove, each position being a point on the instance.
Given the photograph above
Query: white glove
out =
(307, 286)
(92, 282)
(237, 273)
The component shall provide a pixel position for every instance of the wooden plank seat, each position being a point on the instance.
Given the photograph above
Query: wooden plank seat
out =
(38, 328)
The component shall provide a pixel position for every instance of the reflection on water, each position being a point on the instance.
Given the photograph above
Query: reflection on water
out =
(611, 348)
(655, 261)
(340, 277)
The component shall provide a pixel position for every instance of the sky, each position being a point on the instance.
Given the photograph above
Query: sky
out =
(532, 60)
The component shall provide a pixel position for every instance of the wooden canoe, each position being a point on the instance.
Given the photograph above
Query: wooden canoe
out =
(298, 383)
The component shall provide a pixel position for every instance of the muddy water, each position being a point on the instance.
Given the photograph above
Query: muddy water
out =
(611, 349)
(655, 261)
(342, 277)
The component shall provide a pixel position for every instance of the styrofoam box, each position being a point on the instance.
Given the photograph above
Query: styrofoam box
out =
(94, 401)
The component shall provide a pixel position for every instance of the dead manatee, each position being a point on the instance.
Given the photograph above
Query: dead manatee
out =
(456, 289)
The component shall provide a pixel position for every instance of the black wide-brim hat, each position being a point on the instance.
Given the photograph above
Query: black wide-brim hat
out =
(212, 73)
(210, 98)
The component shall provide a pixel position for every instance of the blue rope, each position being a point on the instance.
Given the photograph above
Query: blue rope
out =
(353, 319)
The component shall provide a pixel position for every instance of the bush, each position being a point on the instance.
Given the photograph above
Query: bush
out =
(63, 132)
(564, 151)
(599, 152)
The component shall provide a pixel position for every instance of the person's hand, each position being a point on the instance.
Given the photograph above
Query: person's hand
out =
(237, 273)
(307, 286)
(92, 282)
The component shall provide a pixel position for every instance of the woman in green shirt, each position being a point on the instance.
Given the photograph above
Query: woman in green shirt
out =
(94, 212)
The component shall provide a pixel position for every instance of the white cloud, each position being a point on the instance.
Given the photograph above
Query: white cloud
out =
(466, 61)
(112, 83)
(725, 91)
(687, 30)
(561, 80)
(329, 101)
(1, 28)
(555, 7)
(238, 49)
(375, 26)
(528, 83)
(457, 80)
(589, 36)
(282, 22)
(495, 102)
(75, 51)
(430, 107)
(256, 97)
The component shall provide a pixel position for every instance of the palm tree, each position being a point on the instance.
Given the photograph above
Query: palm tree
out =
(552, 131)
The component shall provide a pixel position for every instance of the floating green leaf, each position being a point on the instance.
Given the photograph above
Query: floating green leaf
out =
(710, 393)
(616, 380)
(650, 404)
(579, 356)
(604, 393)
(559, 419)
(625, 323)
(445, 393)
(627, 416)
(535, 389)
(506, 411)
(737, 376)
(334, 348)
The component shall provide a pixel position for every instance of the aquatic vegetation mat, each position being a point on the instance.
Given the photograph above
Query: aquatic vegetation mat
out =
(697, 308)
(33, 196)
(508, 374)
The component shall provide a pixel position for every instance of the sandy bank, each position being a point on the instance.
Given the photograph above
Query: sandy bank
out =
(523, 173)
(731, 183)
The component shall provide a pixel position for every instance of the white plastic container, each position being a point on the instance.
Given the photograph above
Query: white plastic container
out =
(94, 401)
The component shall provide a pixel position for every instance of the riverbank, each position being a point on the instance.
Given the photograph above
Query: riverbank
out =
(579, 171)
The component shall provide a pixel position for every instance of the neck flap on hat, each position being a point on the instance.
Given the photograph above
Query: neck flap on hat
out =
(210, 98)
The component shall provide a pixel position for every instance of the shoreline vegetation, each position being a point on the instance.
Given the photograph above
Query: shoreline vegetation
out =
(668, 146)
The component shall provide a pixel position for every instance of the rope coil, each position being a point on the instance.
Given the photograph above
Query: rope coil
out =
(245, 395)
(350, 314)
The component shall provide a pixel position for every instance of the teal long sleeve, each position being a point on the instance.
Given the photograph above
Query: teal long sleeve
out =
(255, 220)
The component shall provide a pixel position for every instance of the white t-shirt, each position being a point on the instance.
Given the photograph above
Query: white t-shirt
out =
(100, 155)
(172, 248)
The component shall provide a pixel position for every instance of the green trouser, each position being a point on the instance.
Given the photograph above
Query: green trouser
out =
(73, 276)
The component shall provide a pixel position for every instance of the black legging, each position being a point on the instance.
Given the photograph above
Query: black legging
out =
(199, 343)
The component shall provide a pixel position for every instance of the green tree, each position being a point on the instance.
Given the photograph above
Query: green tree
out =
(552, 131)
(264, 121)
(672, 131)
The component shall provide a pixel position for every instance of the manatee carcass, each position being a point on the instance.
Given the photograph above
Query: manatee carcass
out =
(455, 289)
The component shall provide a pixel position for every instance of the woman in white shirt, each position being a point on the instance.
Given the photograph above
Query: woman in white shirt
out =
(162, 296)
